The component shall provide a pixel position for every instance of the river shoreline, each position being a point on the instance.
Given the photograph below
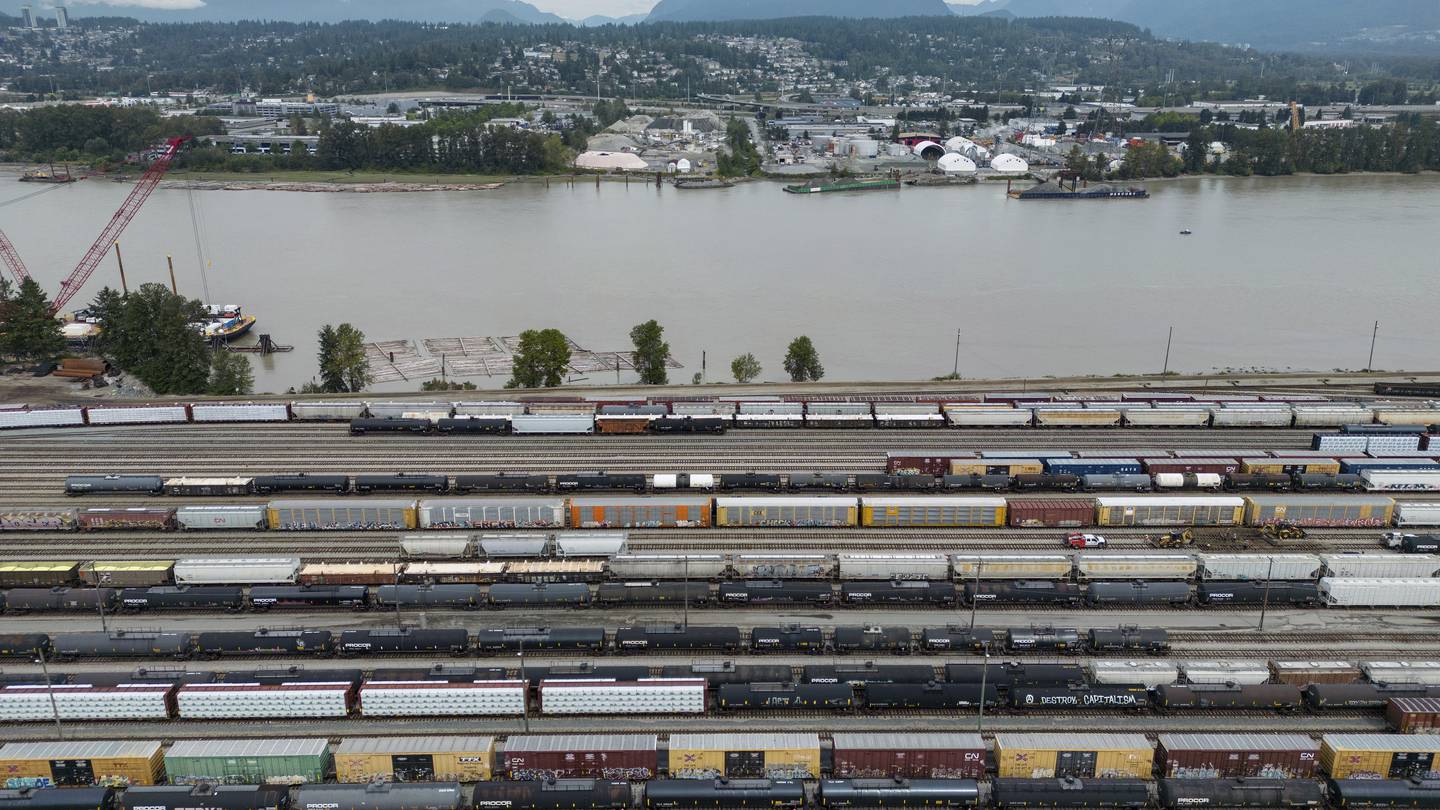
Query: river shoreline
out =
(381, 183)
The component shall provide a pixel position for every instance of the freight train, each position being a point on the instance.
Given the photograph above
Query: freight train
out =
(558, 416)
(1018, 688)
(695, 511)
(122, 644)
(746, 794)
(1310, 474)
(1094, 579)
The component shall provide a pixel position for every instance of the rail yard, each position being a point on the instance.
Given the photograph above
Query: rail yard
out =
(855, 602)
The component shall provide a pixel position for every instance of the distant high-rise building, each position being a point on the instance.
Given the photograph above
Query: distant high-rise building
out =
(27, 16)
(62, 18)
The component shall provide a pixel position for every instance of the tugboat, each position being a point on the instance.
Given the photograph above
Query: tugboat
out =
(225, 322)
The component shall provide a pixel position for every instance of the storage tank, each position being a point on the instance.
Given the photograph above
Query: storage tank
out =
(864, 147)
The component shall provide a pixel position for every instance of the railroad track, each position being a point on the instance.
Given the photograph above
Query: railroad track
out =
(817, 723)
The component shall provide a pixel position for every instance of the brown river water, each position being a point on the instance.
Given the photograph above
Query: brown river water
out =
(1278, 273)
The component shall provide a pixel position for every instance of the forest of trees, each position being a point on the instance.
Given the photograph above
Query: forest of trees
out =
(73, 132)
(973, 53)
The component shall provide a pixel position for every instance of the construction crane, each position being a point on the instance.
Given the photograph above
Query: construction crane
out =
(107, 238)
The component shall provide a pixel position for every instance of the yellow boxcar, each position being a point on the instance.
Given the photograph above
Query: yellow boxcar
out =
(1288, 466)
(1380, 756)
(1320, 510)
(997, 467)
(744, 756)
(921, 511)
(1160, 510)
(1086, 756)
(414, 759)
(114, 763)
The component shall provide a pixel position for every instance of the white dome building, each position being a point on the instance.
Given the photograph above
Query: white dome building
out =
(956, 164)
(928, 150)
(1009, 164)
(684, 166)
(960, 145)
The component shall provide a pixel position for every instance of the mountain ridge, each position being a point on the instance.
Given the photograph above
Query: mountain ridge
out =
(725, 10)
(1272, 24)
(325, 11)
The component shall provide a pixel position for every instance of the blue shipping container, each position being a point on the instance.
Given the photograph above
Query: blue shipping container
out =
(1094, 466)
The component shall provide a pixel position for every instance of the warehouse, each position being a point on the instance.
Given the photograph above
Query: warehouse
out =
(744, 756)
(923, 512)
(573, 756)
(801, 512)
(1380, 756)
(269, 762)
(414, 759)
(1231, 756)
(68, 764)
(909, 756)
(1084, 756)
(1198, 510)
(660, 512)
(1319, 510)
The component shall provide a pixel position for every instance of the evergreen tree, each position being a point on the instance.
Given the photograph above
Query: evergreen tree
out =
(151, 334)
(651, 352)
(802, 362)
(745, 368)
(344, 368)
(230, 375)
(541, 359)
(30, 331)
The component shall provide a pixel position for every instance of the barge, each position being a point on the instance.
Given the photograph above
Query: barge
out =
(1051, 190)
(849, 185)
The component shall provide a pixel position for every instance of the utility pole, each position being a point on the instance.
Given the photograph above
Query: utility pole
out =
(525, 689)
(1265, 600)
(956, 371)
(1370, 364)
(50, 690)
(100, 604)
(686, 615)
(984, 675)
(975, 594)
(1166, 369)
(399, 625)
(171, 261)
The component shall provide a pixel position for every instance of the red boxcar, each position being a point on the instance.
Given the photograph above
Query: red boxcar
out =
(909, 755)
(581, 756)
(140, 517)
(1052, 513)
(1233, 756)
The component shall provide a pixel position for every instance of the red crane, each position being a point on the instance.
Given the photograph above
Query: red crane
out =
(107, 238)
